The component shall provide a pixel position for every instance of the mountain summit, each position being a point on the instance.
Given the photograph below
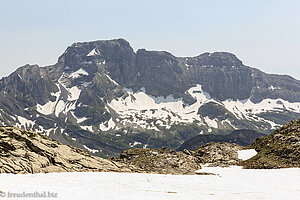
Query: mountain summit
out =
(106, 98)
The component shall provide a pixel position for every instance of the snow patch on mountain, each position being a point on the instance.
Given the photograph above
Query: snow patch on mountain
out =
(93, 52)
(79, 73)
(26, 123)
(90, 150)
(134, 144)
(112, 80)
(49, 107)
(74, 93)
(274, 88)
(85, 84)
(78, 119)
(61, 105)
(211, 122)
(106, 126)
(245, 109)
(138, 107)
(246, 154)
(88, 128)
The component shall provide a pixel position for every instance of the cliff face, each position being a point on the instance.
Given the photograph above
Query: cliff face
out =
(107, 97)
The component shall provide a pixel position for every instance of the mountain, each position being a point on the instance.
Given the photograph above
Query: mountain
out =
(281, 149)
(105, 97)
(240, 137)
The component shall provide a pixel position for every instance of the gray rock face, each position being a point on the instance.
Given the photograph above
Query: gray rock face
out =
(29, 152)
(80, 100)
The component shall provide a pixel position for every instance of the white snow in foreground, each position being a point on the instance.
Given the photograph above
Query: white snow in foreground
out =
(246, 154)
(230, 183)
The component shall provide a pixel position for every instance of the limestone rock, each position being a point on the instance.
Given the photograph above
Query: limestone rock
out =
(29, 152)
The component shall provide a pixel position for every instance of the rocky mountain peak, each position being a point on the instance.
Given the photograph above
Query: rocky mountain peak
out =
(218, 59)
(103, 89)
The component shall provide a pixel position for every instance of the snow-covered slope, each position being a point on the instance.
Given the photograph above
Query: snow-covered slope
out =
(229, 183)
(137, 108)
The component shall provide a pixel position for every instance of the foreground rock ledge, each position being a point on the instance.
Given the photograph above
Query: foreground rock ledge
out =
(281, 149)
(29, 152)
(24, 151)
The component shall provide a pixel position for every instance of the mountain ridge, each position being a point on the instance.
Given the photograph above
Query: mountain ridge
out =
(106, 95)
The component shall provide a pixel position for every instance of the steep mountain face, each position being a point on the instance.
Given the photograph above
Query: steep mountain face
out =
(107, 97)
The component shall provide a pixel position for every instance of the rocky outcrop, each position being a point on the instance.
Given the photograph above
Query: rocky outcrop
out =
(218, 154)
(240, 137)
(29, 152)
(280, 149)
(24, 151)
(166, 161)
(161, 161)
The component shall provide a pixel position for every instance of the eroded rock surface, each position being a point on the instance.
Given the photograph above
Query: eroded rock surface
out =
(29, 152)
(162, 161)
(280, 149)
(218, 154)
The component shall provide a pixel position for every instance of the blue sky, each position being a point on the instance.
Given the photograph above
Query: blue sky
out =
(263, 34)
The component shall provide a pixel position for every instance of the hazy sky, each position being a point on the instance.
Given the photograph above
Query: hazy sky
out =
(263, 34)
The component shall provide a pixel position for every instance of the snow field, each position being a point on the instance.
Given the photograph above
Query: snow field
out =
(230, 183)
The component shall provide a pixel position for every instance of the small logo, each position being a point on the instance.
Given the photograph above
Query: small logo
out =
(2, 194)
